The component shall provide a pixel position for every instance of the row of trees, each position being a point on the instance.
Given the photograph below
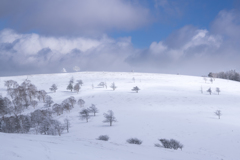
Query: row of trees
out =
(75, 87)
(231, 75)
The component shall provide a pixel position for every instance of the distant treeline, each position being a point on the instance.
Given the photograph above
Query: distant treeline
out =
(231, 75)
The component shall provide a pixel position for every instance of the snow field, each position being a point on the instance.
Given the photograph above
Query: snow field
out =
(167, 106)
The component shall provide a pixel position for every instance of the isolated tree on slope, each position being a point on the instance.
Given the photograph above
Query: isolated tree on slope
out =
(93, 109)
(210, 91)
(84, 114)
(53, 88)
(218, 90)
(113, 86)
(109, 117)
(101, 84)
(218, 113)
(70, 87)
(136, 89)
(77, 87)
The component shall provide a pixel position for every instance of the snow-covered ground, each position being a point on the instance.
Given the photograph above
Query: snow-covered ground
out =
(167, 106)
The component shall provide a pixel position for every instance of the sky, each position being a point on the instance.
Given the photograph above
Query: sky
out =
(188, 37)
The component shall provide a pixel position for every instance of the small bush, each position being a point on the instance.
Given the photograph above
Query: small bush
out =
(134, 141)
(171, 144)
(103, 138)
(157, 145)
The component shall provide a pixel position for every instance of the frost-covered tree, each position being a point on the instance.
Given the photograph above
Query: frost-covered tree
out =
(70, 87)
(101, 84)
(53, 88)
(41, 95)
(80, 82)
(48, 101)
(77, 87)
(3, 107)
(218, 113)
(64, 70)
(92, 86)
(57, 108)
(218, 90)
(201, 89)
(76, 68)
(210, 91)
(136, 89)
(81, 102)
(11, 84)
(67, 124)
(109, 117)
(105, 84)
(66, 106)
(72, 101)
(84, 114)
(34, 103)
(93, 109)
(113, 86)
(58, 126)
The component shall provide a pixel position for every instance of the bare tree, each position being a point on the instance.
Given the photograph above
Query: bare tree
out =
(109, 117)
(84, 114)
(81, 102)
(53, 88)
(105, 84)
(210, 91)
(218, 90)
(136, 89)
(77, 87)
(34, 103)
(218, 113)
(67, 124)
(93, 109)
(113, 86)
(205, 79)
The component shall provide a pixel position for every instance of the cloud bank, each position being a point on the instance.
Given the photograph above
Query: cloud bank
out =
(189, 50)
(74, 17)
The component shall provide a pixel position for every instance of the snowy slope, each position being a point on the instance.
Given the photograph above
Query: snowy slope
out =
(167, 106)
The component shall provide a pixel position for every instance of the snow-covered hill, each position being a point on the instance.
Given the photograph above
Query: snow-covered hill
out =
(167, 106)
